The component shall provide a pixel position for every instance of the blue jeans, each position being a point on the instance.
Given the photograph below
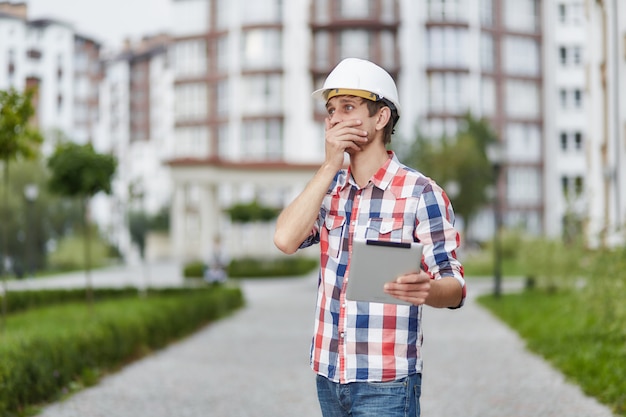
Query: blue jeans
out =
(399, 398)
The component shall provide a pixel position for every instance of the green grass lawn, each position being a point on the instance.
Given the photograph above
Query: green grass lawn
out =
(588, 345)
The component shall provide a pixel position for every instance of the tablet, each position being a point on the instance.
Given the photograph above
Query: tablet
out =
(374, 263)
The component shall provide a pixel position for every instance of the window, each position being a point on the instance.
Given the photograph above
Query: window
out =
(521, 56)
(222, 17)
(486, 12)
(571, 13)
(488, 97)
(355, 9)
(523, 185)
(570, 56)
(261, 94)
(191, 101)
(572, 186)
(486, 52)
(521, 15)
(577, 55)
(33, 54)
(563, 137)
(562, 13)
(447, 10)
(222, 54)
(578, 98)
(192, 141)
(223, 140)
(190, 58)
(523, 142)
(578, 141)
(563, 98)
(223, 102)
(321, 11)
(522, 99)
(563, 55)
(262, 11)
(447, 47)
(261, 49)
(571, 141)
(447, 92)
(262, 140)
(322, 46)
(388, 49)
(354, 43)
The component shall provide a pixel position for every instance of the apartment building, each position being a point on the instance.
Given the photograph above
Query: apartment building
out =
(605, 186)
(137, 127)
(244, 72)
(220, 112)
(62, 64)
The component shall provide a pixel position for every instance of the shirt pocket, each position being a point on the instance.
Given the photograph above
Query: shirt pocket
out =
(386, 229)
(333, 226)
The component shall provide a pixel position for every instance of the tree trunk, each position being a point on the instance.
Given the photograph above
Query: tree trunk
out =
(86, 234)
(5, 246)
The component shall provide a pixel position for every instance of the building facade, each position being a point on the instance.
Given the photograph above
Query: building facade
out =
(63, 65)
(220, 111)
(546, 74)
(136, 127)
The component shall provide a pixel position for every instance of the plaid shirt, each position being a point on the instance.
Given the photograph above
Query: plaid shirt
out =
(361, 341)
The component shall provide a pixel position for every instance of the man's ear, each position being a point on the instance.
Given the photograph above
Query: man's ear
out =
(384, 116)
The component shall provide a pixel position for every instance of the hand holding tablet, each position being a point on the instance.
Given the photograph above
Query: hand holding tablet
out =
(374, 263)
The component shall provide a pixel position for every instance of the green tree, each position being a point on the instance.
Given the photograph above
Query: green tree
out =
(461, 160)
(18, 140)
(78, 171)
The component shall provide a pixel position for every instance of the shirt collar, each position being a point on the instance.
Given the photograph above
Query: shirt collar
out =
(382, 178)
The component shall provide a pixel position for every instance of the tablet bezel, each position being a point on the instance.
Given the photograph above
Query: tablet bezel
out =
(373, 263)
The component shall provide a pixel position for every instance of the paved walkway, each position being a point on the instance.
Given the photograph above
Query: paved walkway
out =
(255, 364)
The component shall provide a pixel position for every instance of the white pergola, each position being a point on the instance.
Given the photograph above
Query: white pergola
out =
(197, 219)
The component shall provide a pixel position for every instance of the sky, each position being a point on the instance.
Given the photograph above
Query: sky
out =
(107, 21)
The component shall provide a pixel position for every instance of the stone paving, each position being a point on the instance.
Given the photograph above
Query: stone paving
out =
(255, 364)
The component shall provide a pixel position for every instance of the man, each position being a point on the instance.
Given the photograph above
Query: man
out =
(367, 355)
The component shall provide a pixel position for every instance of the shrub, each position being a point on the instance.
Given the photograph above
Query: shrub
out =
(45, 350)
(194, 269)
(257, 267)
(253, 267)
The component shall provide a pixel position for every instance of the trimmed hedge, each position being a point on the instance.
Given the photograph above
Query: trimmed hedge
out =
(45, 350)
(25, 300)
(257, 268)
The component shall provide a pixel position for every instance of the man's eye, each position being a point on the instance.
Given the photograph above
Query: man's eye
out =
(349, 107)
(331, 112)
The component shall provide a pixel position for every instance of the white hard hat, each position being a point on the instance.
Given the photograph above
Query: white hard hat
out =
(362, 78)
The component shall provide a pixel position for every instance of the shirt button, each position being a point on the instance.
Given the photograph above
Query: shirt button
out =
(343, 305)
(342, 335)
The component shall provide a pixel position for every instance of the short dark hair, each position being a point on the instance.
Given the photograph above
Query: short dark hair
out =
(373, 107)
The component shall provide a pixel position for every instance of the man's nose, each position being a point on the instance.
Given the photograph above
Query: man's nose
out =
(334, 119)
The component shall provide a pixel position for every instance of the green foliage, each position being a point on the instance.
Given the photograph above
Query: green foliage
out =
(17, 140)
(79, 171)
(194, 269)
(257, 268)
(252, 212)
(47, 350)
(28, 300)
(17, 137)
(281, 267)
(461, 160)
(68, 254)
(567, 330)
(138, 223)
(552, 264)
